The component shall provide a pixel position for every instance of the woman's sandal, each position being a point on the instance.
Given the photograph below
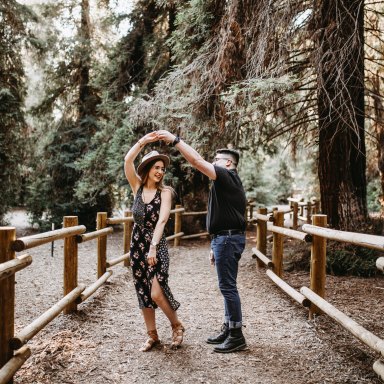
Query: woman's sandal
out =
(151, 341)
(177, 335)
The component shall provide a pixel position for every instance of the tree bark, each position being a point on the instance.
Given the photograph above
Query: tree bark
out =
(339, 63)
(379, 129)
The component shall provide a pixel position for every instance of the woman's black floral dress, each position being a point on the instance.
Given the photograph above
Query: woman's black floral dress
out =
(145, 217)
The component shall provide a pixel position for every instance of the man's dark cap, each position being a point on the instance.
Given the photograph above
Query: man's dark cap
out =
(230, 151)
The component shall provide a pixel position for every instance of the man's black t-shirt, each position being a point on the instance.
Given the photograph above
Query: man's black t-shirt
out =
(226, 203)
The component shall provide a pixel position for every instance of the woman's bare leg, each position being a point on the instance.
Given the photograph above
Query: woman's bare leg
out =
(160, 299)
(149, 318)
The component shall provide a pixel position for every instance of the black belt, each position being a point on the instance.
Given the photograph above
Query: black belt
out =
(227, 232)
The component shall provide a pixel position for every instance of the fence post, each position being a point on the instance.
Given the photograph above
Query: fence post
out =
(277, 247)
(70, 262)
(295, 215)
(127, 236)
(302, 207)
(101, 244)
(309, 212)
(250, 211)
(7, 296)
(318, 262)
(176, 241)
(317, 205)
(261, 235)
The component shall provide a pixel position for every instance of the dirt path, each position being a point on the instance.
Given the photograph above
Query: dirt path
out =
(100, 343)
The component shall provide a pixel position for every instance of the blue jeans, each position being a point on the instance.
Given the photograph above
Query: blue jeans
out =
(227, 251)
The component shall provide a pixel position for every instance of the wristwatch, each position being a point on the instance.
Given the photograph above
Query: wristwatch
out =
(154, 243)
(177, 140)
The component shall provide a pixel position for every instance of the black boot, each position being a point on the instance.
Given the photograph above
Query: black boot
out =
(234, 342)
(220, 338)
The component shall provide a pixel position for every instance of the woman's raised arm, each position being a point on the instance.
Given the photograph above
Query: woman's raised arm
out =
(129, 167)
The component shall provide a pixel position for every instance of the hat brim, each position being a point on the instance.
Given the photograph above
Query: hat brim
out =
(155, 158)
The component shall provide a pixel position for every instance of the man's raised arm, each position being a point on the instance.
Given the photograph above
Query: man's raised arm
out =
(190, 154)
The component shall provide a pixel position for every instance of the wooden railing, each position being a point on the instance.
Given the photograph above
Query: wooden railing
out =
(11, 361)
(299, 210)
(313, 297)
(13, 351)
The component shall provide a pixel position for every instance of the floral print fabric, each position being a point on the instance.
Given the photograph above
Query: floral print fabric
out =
(145, 218)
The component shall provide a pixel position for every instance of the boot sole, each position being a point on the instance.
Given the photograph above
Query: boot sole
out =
(238, 348)
(214, 342)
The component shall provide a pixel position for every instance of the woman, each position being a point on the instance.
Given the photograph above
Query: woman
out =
(149, 251)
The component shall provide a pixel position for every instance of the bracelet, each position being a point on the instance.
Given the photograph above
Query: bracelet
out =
(177, 140)
(153, 243)
(140, 143)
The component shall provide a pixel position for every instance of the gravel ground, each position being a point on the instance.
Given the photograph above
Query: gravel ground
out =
(100, 343)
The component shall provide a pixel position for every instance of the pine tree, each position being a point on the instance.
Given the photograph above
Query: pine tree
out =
(13, 129)
(70, 94)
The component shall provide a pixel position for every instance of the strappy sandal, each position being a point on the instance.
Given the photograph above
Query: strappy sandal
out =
(177, 335)
(151, 341)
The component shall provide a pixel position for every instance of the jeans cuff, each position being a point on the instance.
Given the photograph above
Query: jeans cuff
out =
(235, 324)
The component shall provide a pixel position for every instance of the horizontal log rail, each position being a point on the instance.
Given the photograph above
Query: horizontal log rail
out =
(195, 213)
(93, 235)
(177, 210)
(306, 203)
(37, 325)
(346, 322)
(175, 236)
(14, 364)
(117, 260)
(290, 233)
(195, 235)
(380, 263)
(290, 291)
(378, 367)
(90, 290)
(262, 257)
(119, 220)
(28, 242)
(10, 267)
(361, 239)
(294, 200)
(261, 217)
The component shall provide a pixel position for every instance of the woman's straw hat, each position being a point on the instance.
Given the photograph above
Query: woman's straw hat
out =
(152, 156)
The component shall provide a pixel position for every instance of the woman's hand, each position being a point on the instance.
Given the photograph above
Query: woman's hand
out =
(149, 138)
(151, 257)
(166, 136)
(211, 257)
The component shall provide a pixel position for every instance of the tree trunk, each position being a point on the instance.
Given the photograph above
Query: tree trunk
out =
(339, 63)
(379, 128)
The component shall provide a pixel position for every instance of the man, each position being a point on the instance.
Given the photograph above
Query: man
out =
(226, 224)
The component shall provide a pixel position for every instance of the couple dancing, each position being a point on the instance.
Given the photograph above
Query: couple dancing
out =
(149, 252)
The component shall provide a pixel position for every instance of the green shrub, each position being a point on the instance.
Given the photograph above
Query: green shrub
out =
(351, 260)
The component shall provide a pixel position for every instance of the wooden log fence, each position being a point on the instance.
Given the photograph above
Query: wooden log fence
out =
(28, 242)
(90, 290)
(299, 211)
(28, 332)
(10, 267)
(13, 352)
(313, 297)
(14, 364)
